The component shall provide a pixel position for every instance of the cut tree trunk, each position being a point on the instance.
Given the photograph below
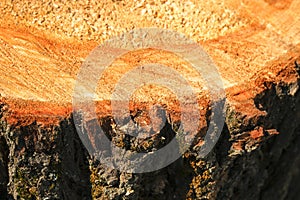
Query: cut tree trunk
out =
(255, 46)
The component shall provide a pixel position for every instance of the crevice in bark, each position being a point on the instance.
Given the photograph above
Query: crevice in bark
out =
(4, 176)
(75, 172)
(272, 170)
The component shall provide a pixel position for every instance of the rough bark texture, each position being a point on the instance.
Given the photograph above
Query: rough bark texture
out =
(254, 159)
